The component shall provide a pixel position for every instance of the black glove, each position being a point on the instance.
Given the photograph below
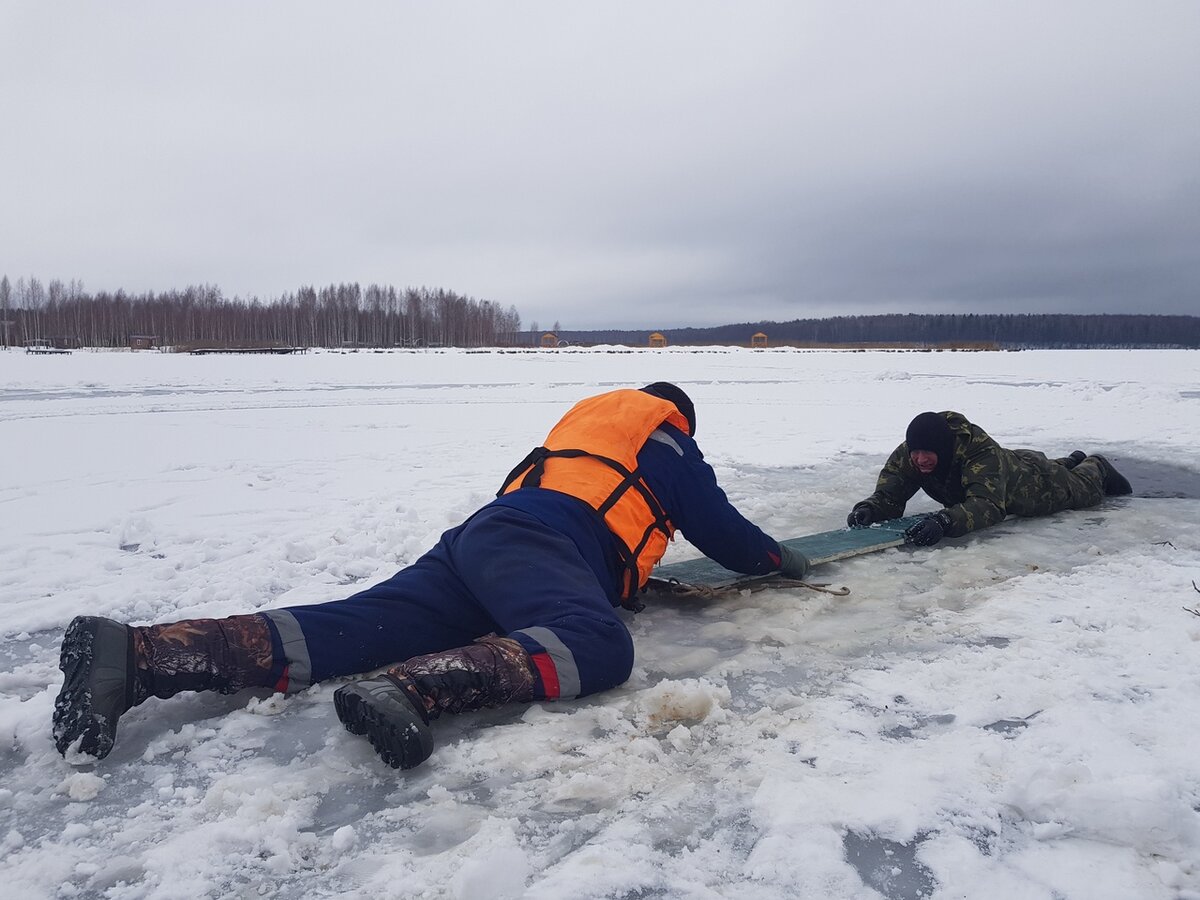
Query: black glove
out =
(929, 530)
(793, 563)
(862, 515)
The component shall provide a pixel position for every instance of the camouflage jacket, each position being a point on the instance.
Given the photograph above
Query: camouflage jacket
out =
(983, 483)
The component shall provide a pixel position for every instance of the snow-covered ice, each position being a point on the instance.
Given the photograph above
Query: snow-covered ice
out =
(1014, 714)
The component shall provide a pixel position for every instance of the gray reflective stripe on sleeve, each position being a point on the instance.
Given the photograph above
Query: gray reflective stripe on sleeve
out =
(563, 659)
(295, 648)
(663, 438)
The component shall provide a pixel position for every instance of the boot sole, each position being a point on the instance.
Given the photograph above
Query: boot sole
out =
(402, 743)
(1115, 484)
(75, 717)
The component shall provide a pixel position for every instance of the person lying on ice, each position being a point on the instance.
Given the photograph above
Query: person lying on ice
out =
(515, 605)
(978, 481)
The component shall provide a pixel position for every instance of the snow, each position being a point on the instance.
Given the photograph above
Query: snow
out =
(1013, 714)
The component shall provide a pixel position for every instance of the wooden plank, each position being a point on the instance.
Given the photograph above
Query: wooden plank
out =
(824, 547)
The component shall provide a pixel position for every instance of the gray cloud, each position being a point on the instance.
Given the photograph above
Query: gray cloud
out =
(630, 164)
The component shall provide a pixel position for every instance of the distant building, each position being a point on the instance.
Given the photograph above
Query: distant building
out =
(758, 340)
(549, 339)
(143, 341)
(658, 339)
(41, 345)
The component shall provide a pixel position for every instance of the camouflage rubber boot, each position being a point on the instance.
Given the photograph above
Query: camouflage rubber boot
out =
(222, 655)
(109, 668)
(394, 709)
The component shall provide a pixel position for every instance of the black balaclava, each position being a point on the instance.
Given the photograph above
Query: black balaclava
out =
(931, 431)
(672, 393)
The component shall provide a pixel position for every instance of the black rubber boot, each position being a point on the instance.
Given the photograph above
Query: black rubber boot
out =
(109, 668)
(394, 710)
(1115, 484)
(98, 685)
(392, 721)
(1076, 457)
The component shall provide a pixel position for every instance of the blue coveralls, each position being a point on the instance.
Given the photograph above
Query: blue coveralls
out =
(535, 565)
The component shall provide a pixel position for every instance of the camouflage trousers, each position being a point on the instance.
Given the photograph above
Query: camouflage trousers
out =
(1057, 487)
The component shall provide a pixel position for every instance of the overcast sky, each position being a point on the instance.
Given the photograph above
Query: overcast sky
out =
(613, 164)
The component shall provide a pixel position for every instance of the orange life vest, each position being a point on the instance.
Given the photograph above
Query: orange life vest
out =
(592, 454)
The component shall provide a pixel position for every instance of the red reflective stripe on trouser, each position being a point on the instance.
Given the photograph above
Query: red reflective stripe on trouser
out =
(565, 679)
(549, 674)
(281, 685)
(298, 672)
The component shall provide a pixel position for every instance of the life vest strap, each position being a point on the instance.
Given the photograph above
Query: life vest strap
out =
(534, 478)
(535, 456)
(535, 463)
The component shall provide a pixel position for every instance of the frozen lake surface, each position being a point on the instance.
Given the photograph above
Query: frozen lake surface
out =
(1012, 714)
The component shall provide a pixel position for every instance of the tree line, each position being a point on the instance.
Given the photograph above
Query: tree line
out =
(341, 315)
(1007, 331)
(337, 315)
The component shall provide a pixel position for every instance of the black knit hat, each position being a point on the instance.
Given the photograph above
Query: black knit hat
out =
(672, 393)
(931, 431)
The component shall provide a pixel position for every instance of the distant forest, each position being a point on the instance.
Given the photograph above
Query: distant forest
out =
(962, 330)
(335, 316)
(348, 315)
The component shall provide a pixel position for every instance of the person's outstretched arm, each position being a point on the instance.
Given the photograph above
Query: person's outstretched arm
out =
(898, 481)
(675, 470)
